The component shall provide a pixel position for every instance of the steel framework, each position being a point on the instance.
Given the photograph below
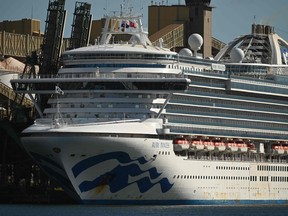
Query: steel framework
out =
(53, 37)
(81, 26)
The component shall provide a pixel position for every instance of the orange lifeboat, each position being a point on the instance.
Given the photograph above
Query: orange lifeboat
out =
(180, 144)
(232, 146)
(277, 148)
(209, 145)
(251, 147)
(220, 146)
(198, 144)
(285, 148)
(242, 146)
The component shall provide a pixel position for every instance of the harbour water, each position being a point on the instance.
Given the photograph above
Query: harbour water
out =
(92, 210)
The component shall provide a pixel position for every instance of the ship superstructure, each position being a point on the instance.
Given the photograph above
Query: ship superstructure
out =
(130, 123)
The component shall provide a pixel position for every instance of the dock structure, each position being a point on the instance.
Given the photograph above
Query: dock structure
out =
(20, 46)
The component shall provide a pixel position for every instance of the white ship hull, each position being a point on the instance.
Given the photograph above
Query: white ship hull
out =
(118, 169)
(210, 133)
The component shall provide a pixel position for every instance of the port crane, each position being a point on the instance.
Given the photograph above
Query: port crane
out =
(48, 56)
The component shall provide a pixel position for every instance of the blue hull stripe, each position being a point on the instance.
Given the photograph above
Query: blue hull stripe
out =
(184, 202)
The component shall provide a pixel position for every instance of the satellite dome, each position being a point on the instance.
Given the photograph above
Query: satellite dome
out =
(195, 41)
(185, 52)
(236, 54)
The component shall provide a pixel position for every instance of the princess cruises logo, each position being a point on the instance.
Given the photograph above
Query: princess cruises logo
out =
(125, 172)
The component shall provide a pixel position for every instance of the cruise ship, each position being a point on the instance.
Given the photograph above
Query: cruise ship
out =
(132, 123)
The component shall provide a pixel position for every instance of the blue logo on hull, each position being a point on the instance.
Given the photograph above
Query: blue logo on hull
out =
(118, 178)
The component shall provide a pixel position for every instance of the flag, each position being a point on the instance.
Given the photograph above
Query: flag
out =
(58, 90)
(125, 24)
(132, 24)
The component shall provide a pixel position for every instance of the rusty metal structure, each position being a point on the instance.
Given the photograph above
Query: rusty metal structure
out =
(81, 26)
(53, 37)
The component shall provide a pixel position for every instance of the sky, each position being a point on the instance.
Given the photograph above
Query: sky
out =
(231, 18)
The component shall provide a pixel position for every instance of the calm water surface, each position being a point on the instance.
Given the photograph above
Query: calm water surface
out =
(92, 210)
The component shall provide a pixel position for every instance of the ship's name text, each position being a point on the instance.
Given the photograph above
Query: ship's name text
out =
(160, 145)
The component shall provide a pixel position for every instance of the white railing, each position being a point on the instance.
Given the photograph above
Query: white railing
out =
(100, 75)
